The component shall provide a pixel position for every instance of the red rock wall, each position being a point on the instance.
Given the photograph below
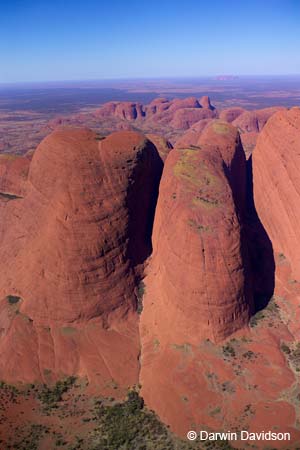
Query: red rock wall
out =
(276, 181)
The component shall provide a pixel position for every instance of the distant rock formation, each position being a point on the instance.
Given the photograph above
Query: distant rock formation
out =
(230, 114)
(178, 113)
(254, 121)
(184, 118)
(129, 111)
(205, 102)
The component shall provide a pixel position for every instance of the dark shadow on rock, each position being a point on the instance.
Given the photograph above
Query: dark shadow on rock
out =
(260, 250)
(142, 197)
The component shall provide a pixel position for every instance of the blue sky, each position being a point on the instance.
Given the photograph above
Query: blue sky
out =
(71, 40)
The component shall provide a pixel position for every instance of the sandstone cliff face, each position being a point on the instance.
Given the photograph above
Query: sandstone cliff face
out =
(254, 121)
(186, 117)
(249, 142)
(129, 111)
(205, 102)
(192, 135)
(230, 114)
(276, 181)
(122, 110)
(178, 113)
(162, 145)
(196, 287)
(13, 175)
(157, 105)
(72, 252)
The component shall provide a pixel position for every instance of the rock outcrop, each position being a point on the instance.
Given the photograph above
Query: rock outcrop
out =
(186, 117)
(163, 146)
(254, 121)
(129, 111)
(72, 253)
(122, 110)
(192, 135)
(205, 102)
(230, 114)
(276, 181)
(196, 285)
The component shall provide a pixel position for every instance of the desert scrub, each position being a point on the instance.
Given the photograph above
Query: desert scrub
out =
(249, 355)
(228, 350)
(129, 425)
(13, 299)
(185, 348)
(217, 445)
(256, 319)
(49, 396)
(198, 227)
(32, 436)
(9, 387)
(285, 349)
(272, 306)
(221, 127)
(295, 356)
(270, 311)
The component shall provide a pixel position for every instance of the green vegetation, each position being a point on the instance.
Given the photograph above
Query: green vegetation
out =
(185, 167)
(129, 425)
(156, 345)
(49, 396)
(256, 318)
(184, 348)
(292, 353)
(101, 423)
(9, 388)
(205, 200)
(33, 434)
(269, 311)
(198, 227)
(68, 330)
(218, 445)
(13, 299)
(285, 349)
(198, 176)
(228, 350)
(221, 127)
(215, 411)
(296, 351)
(227, 386)
(249, 355)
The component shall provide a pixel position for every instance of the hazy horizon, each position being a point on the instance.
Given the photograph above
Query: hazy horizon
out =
(81, 41)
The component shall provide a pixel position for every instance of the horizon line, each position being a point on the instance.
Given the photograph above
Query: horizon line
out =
(155, 78)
